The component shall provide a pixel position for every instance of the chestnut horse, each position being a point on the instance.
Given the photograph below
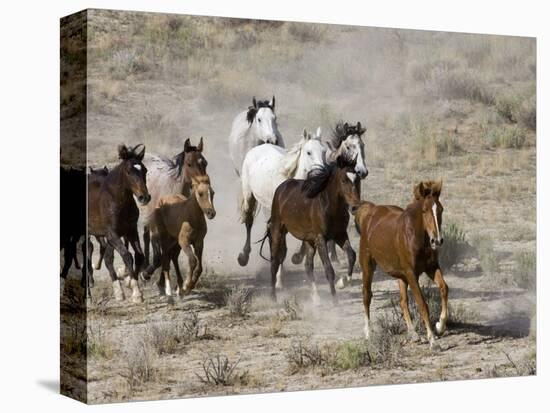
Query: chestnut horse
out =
(179, 224)
(404, 244)
(312, 211)
(113, 214)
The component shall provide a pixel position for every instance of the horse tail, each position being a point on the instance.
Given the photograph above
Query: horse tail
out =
(266, 236)
(247, 202)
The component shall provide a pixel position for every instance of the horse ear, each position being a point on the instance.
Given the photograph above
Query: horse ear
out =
(318, 133)
(360, 129)
(436, 188)
(254, 104)
(122, 152)
(141, 154)
(199, 148)
(272, 103)
(305, 134)
(186, 145)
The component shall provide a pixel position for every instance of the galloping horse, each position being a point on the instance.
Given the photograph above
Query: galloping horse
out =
(166, 177)
(73, 218)
(265, 167)
(404, 243)
(251, 128)
(310, 210)
(179, 225)
(346, 140)
(113, 214)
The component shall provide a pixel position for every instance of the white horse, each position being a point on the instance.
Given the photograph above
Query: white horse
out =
(346, 140)
(264, 168)
(251, 128)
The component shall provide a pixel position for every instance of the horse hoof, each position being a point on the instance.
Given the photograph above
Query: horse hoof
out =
(243, 259)
(341, 284)
(96, 266)
(413, 336)
(435, 347)
(440, 328)
(119, 297)
(137, 299)
(170, 300)
(279, 285)
(297, 258)
(127, 281)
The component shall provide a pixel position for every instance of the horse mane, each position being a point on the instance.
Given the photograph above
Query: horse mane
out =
(342, 130)
(253, 110)
(317, 180)
(291, 159)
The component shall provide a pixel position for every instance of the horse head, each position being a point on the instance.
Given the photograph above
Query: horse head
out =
(191, 161)
(428, 193)
(263, 121)
(204, 194)
(347, 140)
(347, 180)
(312, 153)
(134, 171)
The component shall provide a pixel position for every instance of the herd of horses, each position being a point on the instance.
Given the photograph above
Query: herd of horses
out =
(311, 191)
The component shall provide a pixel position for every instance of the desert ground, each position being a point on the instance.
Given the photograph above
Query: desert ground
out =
(456, 106)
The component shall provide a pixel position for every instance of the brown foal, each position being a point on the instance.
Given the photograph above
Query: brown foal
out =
(404, 244)
(178, 224)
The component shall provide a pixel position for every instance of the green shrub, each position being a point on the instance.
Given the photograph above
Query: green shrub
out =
(350, 356)
(454, 246)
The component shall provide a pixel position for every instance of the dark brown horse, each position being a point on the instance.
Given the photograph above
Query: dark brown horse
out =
(311, 210)
(72, 218)
(113, 214)
(179, 224)
(404, 244)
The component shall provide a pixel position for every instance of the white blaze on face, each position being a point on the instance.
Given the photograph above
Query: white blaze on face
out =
(351, 176)
(434, 210)
(137, 167)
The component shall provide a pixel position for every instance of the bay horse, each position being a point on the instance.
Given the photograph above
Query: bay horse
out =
(169, 176)
(252, 127)
(179, 224)
(346, 140)
(113, 214)
(311, 211)
(404, 244)
(72, 219)
(264, 168)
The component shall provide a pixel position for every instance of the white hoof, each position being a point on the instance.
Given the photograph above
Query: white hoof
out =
(127, 281)
(440, 327)
(279, 284)
(316, 300)
(341, 284)
(137, 297)
(96, 266)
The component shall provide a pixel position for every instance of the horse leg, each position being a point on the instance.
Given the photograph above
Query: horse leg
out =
(102, 245)
(437, 276)
(133, 239)
(248, 208)
(423, 308)
(198, 247)
(275, 234)
(404, 304)
(156, 244)
(329, 271)
(116, 243)
(109, 263)
(146, 245)
(346, 246)
(87, 272)
(281, 271)
(174, 255)
(367, 268)
(184, 241)
(310, 254)
(299, 255)
(165, 288)
(75, 257)
(331, 245)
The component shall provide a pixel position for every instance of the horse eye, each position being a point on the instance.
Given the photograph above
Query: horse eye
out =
(309, 153)
(259, 120)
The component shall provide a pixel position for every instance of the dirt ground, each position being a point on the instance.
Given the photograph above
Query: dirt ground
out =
(415, 130)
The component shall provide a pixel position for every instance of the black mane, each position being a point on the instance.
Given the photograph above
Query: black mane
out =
(252, 110)
(317, 180)
(342, 130)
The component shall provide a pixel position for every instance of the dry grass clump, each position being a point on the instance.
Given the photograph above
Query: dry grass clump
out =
(303, 355)
(428, 143)
(525, 270)
(218, 370)
(293, 309)
(99, 346)
(167, 338)
(154, 127)
(139, 362)
(238, 300)
(307, 32)
(460, 83)
(486, 253)
(506, 136)
(351, 355)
